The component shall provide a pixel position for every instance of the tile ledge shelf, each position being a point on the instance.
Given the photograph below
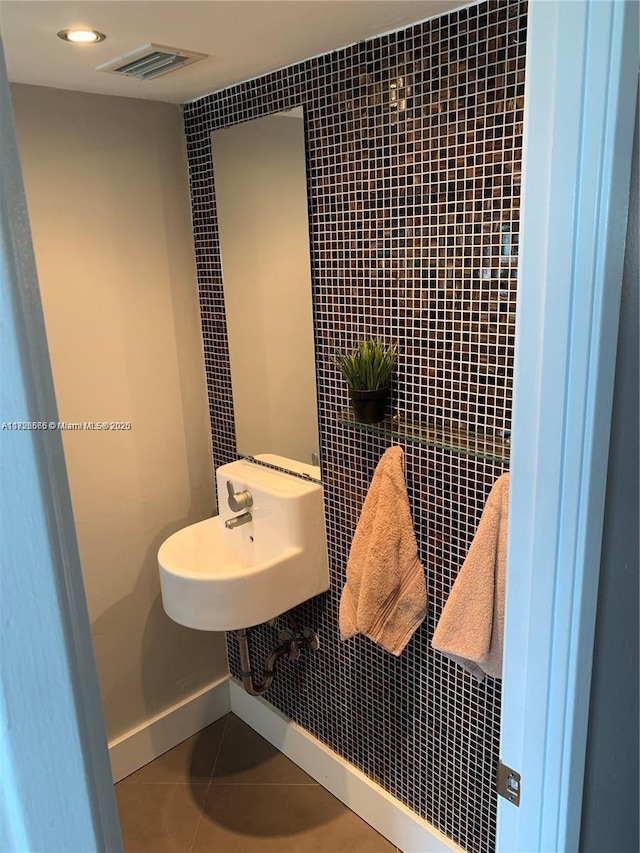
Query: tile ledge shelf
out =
(479, 445)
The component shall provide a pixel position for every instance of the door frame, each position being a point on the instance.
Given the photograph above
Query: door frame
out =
(57, 789)
(581, 74)
(581, 85)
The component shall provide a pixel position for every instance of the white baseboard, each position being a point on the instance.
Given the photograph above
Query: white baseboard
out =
(141, 745)
(388, 816)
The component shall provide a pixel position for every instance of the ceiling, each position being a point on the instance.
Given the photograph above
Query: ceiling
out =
(243, 38)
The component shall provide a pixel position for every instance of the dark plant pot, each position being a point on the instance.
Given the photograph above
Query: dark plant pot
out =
(369, 407)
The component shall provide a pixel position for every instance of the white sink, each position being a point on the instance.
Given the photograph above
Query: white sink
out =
(219, 579)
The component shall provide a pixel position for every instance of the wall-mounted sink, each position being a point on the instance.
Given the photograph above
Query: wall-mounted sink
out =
(244, 567)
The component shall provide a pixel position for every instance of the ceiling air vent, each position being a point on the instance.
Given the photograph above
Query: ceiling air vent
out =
(150, 61)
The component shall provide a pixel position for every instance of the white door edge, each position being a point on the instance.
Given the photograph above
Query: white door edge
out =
(579, 110)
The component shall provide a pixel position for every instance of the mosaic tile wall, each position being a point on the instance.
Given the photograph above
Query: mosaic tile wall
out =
(414, 150)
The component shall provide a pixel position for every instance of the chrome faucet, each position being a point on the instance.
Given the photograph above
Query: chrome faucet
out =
(238, 500)
(237, 520)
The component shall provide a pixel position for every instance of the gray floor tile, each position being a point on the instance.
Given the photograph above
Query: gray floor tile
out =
(190, 761)
(247, 758)
(295, 818)
(159, 818)
(258, 801)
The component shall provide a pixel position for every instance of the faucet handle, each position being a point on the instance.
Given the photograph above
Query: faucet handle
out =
(238, 500)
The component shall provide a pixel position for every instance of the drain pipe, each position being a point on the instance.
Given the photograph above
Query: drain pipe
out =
(291, 644)
(253, 688)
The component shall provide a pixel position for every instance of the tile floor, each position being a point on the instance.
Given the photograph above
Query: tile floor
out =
(226, 790)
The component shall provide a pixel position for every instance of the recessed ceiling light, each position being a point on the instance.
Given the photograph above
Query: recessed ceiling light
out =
(81, 35)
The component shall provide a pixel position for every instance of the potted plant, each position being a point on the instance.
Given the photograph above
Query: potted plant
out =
(368, 369)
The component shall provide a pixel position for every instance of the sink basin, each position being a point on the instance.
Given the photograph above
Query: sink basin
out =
(220, 579)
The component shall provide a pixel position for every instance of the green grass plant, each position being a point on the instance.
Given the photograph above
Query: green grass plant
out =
(368, 366)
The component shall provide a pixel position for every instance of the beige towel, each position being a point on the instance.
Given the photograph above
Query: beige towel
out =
(385, 596)
(471, 627)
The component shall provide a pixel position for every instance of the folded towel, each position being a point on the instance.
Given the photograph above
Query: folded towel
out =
(471, 627)
(385, 596)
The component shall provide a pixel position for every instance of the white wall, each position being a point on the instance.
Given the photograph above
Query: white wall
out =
(107, 194)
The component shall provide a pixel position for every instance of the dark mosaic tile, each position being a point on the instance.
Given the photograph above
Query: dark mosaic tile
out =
(414, 146)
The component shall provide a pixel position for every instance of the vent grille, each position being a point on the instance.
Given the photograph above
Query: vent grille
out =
(150, 61)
